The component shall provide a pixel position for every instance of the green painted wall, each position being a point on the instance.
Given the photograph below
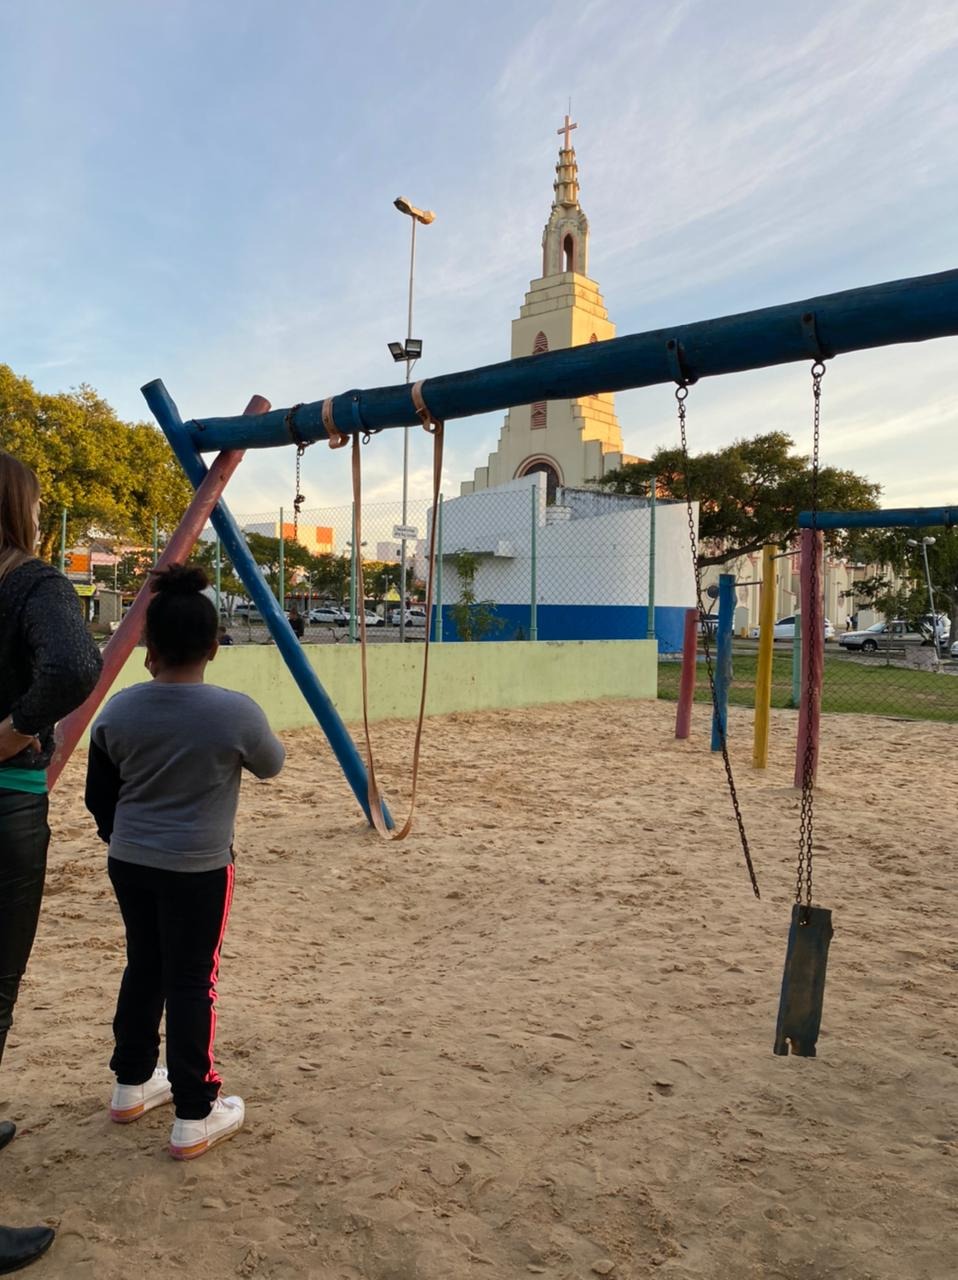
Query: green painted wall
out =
(462, 677)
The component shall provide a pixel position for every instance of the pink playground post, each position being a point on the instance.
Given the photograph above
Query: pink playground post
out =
(683, 712)
(813, 653)
(126, 637)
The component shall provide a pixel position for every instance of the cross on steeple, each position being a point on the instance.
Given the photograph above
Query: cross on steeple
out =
(567, 129)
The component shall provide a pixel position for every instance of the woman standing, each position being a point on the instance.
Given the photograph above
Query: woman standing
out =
(48, 665)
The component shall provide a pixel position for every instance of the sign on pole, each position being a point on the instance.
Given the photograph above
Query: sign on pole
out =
(406, 531)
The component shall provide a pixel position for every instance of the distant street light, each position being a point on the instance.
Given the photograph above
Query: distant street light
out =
(410, 351)
(925, 544)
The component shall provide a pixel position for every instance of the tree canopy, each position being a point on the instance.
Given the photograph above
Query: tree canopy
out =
(112, 476)
(750, 493)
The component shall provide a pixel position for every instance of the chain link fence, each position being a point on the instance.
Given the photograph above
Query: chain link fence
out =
(898, 679)
(511, 564)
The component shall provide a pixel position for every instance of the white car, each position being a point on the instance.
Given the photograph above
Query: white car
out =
(330, 614)
(372, 619)
(954, 649)
(784, 629)
(414, 617)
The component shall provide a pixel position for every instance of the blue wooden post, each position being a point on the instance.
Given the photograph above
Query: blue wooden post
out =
(344, 749)
(723, 659)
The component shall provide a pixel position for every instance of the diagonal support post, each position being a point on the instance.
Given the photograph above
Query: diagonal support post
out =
(319, 701)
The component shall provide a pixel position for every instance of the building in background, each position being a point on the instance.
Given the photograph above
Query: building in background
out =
(571, 442)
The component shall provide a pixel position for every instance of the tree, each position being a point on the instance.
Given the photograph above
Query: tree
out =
(113, 477)
(473, 618)
(750, 493)
(265, 552)
(890, 546)
(380, 577)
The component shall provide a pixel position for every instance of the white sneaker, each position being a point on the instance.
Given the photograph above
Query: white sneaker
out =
(130, 1101)
(192, 1138)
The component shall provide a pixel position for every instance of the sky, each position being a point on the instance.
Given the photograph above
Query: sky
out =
(201, 191)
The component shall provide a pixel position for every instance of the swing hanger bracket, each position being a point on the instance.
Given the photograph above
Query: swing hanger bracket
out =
(678, 366)
(811, 339)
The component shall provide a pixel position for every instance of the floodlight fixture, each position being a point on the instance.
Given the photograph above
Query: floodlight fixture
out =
(414, 350)
(397, 351)
(425, 216)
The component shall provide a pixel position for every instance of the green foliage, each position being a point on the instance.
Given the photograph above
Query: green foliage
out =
(750, 492)
(890, 546)
(112, 476)
(473, 618)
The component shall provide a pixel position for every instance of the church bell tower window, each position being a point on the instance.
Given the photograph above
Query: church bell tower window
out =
(538, 420)
(568, 249)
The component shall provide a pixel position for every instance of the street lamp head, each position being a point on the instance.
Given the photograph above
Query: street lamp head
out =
(929, 541)
(414, 350)
(425, 216)
(397, 351)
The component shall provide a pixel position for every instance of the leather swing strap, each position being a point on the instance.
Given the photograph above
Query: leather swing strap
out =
(436, 429)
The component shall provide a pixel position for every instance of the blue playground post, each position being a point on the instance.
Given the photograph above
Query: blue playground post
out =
(344, 749)
(723, 659)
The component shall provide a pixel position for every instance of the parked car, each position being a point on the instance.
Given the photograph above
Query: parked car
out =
(330, 614)
(246, 609)
(414, 617)
(954, 649)
(942, 624)
(784, 629)
(708, 623)
(372, 619)
(884, 635)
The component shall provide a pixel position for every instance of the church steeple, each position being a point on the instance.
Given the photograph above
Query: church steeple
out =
(573, 442)
(565, 240)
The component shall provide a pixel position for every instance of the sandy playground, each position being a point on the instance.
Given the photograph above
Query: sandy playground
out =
(536, 1038)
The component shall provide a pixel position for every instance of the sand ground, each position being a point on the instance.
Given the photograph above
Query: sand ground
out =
(536, 1037)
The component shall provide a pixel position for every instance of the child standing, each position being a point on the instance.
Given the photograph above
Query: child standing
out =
(163, 785)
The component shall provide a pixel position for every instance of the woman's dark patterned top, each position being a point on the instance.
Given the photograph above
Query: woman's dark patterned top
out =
(49, 663)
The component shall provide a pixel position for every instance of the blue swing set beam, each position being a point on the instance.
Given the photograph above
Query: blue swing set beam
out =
(891, 518)
(913, 310)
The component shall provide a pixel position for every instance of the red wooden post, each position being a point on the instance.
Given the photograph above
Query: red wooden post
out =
(127, 635)
(683, 712)
(813, 653)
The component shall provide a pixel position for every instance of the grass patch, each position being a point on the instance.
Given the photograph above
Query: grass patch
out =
(865, 688)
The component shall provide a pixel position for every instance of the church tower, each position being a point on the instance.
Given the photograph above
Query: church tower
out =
(573, 441)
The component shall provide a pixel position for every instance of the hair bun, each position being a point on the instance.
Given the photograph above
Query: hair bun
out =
(179, 580)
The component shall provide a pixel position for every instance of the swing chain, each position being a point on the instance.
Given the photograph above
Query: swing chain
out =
(681, 395)
(806, 822)
(300, 497)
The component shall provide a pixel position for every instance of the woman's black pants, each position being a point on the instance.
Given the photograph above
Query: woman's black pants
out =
(24, 838)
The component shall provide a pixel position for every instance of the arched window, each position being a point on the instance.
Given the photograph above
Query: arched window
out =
(551, 474)
(539, 408)
(568, 249)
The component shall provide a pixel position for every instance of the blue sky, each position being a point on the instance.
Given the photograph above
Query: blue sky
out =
(203, 192)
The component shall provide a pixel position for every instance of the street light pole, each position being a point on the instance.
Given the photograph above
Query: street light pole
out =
(925, 544)
(405, 441)
(425, 216)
